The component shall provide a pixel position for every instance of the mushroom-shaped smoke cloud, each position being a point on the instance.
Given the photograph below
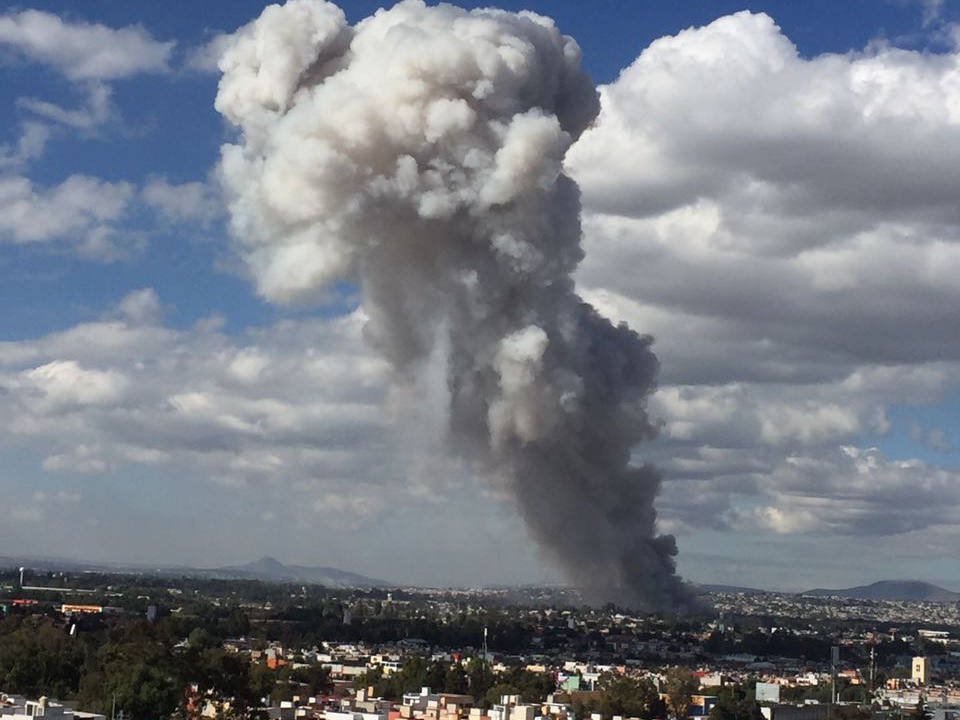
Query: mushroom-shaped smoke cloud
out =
(419, 155)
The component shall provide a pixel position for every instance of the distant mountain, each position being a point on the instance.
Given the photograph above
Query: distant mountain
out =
(272, 570)
(56, 564)
(728, 589)
(267, 569)
(891, 590)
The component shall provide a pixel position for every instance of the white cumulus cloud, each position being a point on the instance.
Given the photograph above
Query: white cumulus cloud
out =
(82, 211)
(83, 51)
(190, 202)
(787, 228)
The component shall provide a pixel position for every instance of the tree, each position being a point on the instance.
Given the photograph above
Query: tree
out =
(733, 704)
(133, 673)
(141, 689)
(202, 639)
(480, 678)
(456, 680)
(621, 695)
(414, 674)
(496, 693)
(229, 678)
(532, 686)
(316, 677)
(680, 687)
(435, 676)
(39, 658)
(262, 680)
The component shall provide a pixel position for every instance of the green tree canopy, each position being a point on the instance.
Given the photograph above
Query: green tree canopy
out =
(681, 685)
(622, 695)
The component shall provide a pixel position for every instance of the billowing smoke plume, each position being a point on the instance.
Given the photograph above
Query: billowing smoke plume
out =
(419, 155)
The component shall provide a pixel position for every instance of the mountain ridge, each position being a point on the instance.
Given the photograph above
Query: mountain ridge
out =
(903, 590)
(265, 568)
(269, 568)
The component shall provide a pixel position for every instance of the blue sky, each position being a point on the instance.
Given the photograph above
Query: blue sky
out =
(773, 200)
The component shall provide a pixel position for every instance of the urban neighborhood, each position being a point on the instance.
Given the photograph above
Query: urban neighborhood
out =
(92, 646)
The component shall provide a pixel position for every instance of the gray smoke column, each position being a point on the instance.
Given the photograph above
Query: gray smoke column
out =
(419, 155)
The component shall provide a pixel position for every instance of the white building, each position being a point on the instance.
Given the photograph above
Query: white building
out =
(353, 715)
(510, 708)
(15, 707)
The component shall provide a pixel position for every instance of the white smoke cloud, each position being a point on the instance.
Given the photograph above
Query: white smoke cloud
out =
(419, 155)
(206, 57)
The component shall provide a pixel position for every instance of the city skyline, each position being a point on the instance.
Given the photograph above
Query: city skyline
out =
(769, 191)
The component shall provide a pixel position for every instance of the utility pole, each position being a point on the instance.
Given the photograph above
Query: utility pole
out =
(483, 662)
(834, 659)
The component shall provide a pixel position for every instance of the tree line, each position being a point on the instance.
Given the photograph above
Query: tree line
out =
(141, 669)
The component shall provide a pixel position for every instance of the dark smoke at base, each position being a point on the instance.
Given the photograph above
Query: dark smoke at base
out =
(419, 155)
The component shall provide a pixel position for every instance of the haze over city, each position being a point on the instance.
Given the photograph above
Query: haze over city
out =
(769, 191)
